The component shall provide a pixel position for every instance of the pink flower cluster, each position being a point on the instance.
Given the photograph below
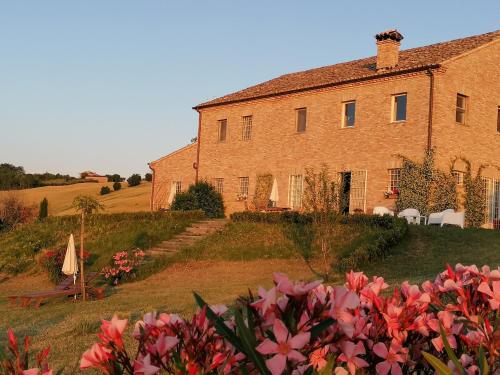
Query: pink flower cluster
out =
(123, 266)
(304, 328)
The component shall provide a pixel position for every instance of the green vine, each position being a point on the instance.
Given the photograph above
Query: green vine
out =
(474, 195)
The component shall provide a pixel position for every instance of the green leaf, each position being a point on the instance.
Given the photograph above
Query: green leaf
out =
(319, 328)
(437, 364)
(328, 369)
(450, 352)
(220, 326)
(248, 339)
(483, 363)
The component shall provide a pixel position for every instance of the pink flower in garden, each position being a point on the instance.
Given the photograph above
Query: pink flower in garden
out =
(112, 330)
(267, 300)
(391, 356)
(451, 329)
(285, 347)
(350, 352)
(467, 363)
(219, 309)
(284, 285)
(355, 281)
(228, 360)
(96, 356)
(144, 366)
(342, 300)
(164, 344)
(494, 294)
(318, 358)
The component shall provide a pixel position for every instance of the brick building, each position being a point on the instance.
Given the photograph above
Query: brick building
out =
(355, 117)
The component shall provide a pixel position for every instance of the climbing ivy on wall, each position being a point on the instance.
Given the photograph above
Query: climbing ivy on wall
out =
(263, 187)
(474, 196)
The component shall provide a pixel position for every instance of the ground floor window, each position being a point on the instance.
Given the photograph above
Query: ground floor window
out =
(178, 187)
(295, 191)
(243, 187)
(219, 185)
(459, 177)
(394, 179)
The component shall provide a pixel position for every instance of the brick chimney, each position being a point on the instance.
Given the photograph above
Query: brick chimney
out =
(388, 43)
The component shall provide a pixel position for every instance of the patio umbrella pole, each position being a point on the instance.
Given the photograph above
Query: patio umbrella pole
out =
(82, 275)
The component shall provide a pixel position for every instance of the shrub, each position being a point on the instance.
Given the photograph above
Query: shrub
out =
(115, 178)
(105, 190)
(52, 261)
(134, 180)
(13, 211)
(200, 196)
(314, 328)
(148, 177)
(124, 266)
(44, 209)
(117, 186)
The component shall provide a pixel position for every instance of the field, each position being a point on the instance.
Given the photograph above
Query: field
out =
(221, 267)
(128, 199)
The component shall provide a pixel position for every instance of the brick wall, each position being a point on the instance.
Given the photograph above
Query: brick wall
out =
(177, 166)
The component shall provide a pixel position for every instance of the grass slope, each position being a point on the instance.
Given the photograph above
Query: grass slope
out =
(128, 199)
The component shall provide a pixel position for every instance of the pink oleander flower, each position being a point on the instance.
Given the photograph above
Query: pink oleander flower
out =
(318, 358)
(284, 285)
(267, 300)
(112, 330)
(97, 356)
(285, 348)
(494, 294)
(36, 371)
(392, 357)
(164, 344)
(447, 320)
(342, 301)
(350, 352)
(144, 366)
(355, 281)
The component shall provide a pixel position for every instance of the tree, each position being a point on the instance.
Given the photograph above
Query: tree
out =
(148, 177)
(105, 190)
(117, 186)
(134, 180)
(114, 178)
(85, 205)
(44, 209)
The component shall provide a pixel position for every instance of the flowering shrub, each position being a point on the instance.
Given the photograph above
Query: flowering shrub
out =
(16, 361)
(312, 328)
(52, 261)
(124, 266)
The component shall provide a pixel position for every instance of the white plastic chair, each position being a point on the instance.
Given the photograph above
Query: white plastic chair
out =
(454, 218)
(437, 217)
(412, 216)
(381, 211)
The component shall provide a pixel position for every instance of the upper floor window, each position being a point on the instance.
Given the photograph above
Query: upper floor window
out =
(301, 119)
(394, 179)
(398, 107)
(222, 130)
(461, 111)
(243, 187)
(348, 114)
(219, 185)
(247, 128)
(296, 188)
(498, 119)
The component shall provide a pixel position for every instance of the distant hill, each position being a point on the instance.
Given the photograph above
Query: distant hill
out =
(128, 199)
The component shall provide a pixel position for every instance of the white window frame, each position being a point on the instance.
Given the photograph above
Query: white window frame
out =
(393, 172)
(243, 186)
(344, 114)
(247, 124)
(394, 107)
(463, 110)
(219, 185)
(295, 191)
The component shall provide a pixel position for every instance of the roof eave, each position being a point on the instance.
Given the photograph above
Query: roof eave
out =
(319, 87)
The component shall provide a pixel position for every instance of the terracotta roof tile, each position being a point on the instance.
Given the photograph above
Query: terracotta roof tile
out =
(410, 59)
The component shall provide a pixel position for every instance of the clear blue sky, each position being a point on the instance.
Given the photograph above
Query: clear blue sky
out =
(108, 85)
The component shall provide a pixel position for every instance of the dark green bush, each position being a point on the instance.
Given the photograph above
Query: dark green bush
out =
(148, 177)
(117, 186)
(134, 180)
(200, 196)
(114, 178)
(105, 190)
(44, 209)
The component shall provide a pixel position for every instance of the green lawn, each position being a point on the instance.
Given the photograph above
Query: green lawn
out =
(221, 267)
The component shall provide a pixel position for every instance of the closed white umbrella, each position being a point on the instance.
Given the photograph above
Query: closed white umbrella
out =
(70, 265)
(172, 193)
(274, 193)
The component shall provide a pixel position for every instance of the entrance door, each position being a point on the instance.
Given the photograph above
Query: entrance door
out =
(345, 193)
(357, 197)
